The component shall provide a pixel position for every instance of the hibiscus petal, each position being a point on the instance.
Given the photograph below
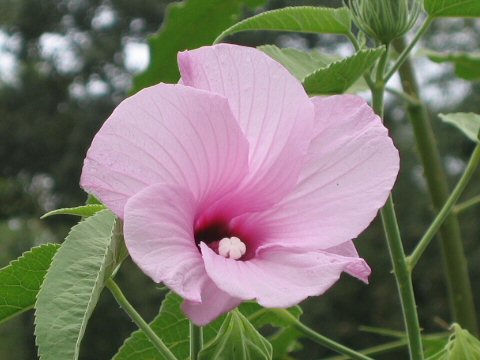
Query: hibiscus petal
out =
(271, 107)
(351, 168)
(278, 276)
(166, 134)
(359, 270)
(159, 236)
(215, 302)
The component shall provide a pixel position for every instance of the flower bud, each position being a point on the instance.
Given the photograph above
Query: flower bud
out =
(385, 20)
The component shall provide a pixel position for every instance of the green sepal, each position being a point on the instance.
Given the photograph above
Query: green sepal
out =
(83, 211)
(237, 339)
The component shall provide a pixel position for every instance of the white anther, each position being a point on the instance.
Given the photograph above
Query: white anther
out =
(232, 248)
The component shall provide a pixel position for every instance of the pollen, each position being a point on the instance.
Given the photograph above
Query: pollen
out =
(231, 248)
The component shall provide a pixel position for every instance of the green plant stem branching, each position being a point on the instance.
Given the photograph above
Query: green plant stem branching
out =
(406, 51)
(455, 264)
(320, 339)
(447, 208)
(138, 320)
(394, 241)
(457, 209)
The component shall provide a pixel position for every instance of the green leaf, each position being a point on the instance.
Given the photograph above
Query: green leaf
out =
(21, 280)
(452, 8)
(461, 346)
(337, 77)
(308, 19)
(299, 63)
(285, 341)
(467, 65)
(260, 316)
(73, 285)
(85, 211)
(173, 327)
(468, 123)
(187, 25)
(237, 339)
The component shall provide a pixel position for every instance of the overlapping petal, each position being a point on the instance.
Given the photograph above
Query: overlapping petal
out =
(278, 276)
(171, 134)
(215, 302)
(351, 168)
(159, 236)
(271, 107)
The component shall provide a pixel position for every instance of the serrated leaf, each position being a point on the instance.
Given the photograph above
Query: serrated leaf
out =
(468, 123)
(73, 285)
(20, 281)
(452, 8)
(461, 346)
(173, 327)
(299, 63)
(467, 65)
(339, 76)
(187, 25)
(307, 19)
(84, 211)
(237, 339)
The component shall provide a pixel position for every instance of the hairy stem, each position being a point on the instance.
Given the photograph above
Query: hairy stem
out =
(394, 242)
(458, 282)
(138, 320)
(447, 208)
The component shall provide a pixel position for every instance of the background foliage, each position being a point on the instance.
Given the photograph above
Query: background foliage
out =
(53, 101)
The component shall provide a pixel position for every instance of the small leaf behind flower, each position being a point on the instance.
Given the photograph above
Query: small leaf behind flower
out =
(467, 65)
(340, 75)
(468, 123)
(452, 8)
(237, 339)
(20, 281)
(84, 211)
(308, 19)
(73, 285)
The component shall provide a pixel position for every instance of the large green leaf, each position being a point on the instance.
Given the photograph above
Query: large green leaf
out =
(299, 63)
(85, 210)
(306, 19)
(339, 76)
(20, 281)
(73, 285)
(468, 123)
(237, 339)
(187, 25)
(467, 65)
(452, 8)
(172, 326)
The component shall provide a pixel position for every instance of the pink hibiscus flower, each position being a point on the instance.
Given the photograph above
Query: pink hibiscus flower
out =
(234, 185)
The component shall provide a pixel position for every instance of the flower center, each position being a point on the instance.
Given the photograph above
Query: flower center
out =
(231, 248)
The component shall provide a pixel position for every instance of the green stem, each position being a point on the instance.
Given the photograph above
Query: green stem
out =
(447, 208)
(406, 51)
(394, 242)
(137, 319)
(196, 341)
(457, 209)
(458, 282)
(377, 350)
(402, 96)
